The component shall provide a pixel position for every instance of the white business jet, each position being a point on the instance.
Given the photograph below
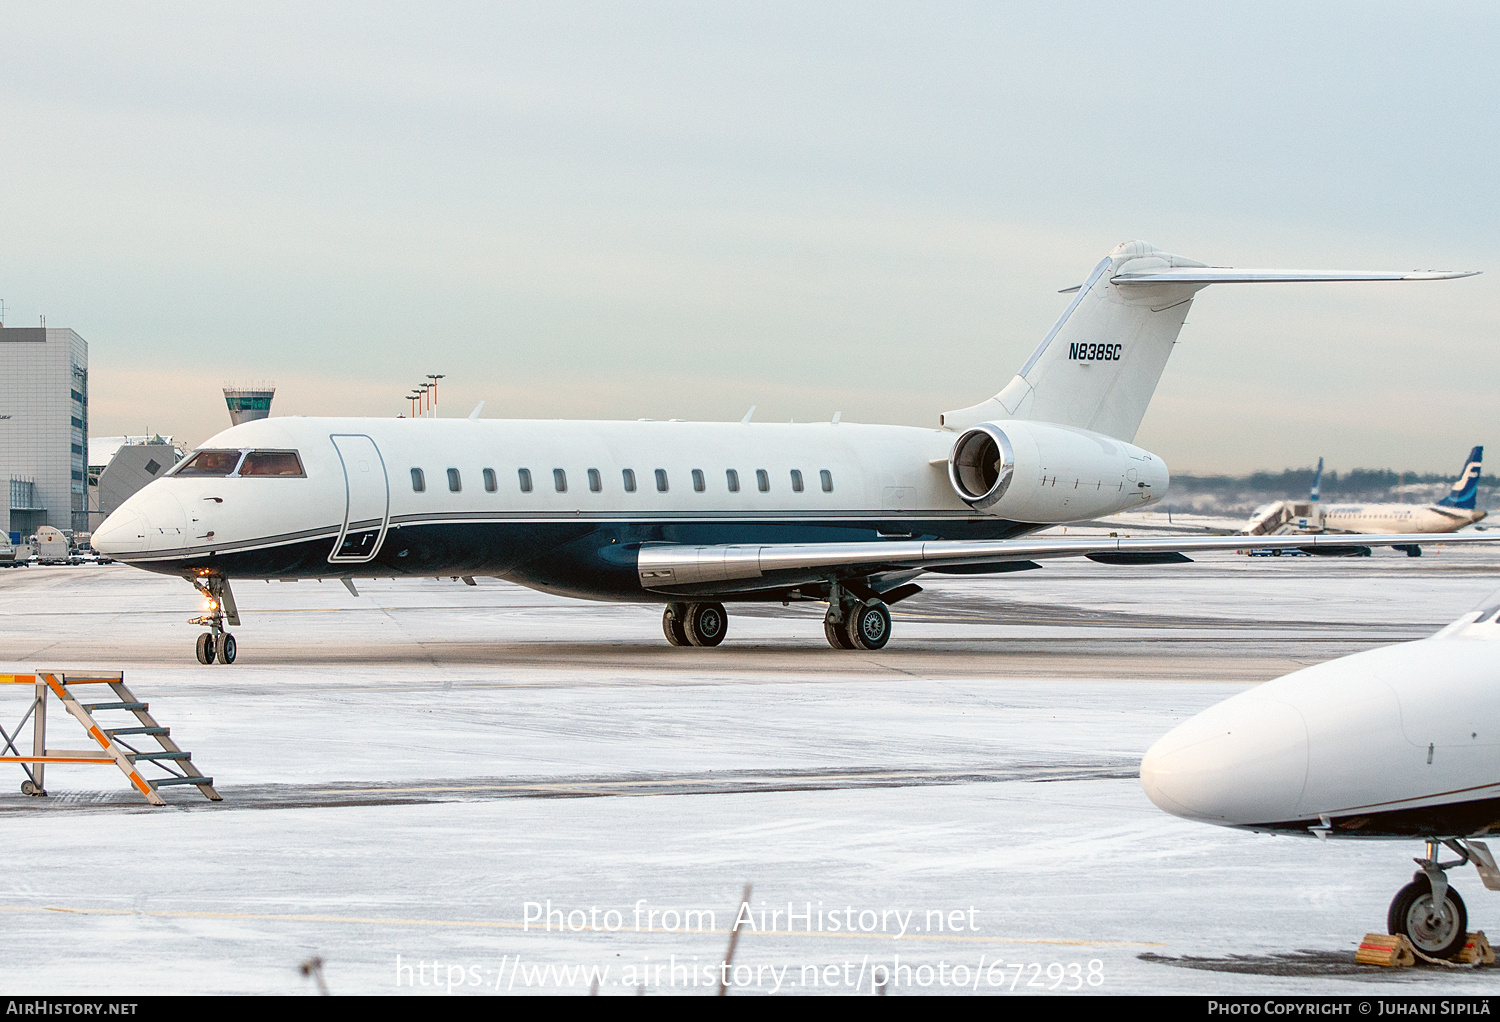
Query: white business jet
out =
(1397, 742)
(694, 514)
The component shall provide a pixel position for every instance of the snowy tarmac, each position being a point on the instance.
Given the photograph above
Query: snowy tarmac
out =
(535, 793)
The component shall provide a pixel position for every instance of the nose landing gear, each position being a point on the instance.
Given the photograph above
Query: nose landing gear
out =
(1427, 911)
(216, 643)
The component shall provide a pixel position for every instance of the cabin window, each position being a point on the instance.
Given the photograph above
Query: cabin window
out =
(827, 478)
(418, 481)
(698, 484)
(454, 483)
(559, 480)
(661, 480)
(762, 480)
(733, 479)
(796, 480)
(271, 463)
(525, 477)
(629, 476)
(210, 463)
(595, 482)
(491, 484)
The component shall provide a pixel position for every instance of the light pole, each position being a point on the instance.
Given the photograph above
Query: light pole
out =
(434, 380)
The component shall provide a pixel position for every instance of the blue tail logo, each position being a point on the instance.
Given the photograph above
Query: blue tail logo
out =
(1466, 487)
(1317, 486)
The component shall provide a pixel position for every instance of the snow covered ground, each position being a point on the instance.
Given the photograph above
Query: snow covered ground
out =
(417, 775)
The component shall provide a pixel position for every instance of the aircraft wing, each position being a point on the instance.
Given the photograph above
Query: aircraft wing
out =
(669, 566)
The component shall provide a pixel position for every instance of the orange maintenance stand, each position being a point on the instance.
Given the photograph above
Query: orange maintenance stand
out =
(111, 745)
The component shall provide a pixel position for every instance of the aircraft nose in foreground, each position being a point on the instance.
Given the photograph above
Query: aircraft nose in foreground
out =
(125, 531)
(149, 520)
(1240, 763)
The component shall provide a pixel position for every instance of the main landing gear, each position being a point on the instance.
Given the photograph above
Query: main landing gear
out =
(216, 643)
(855, 623)
(695, 624)
(858, 617)
(1427, 911)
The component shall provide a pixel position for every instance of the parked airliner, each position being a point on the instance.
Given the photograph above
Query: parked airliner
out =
(1450, 514)
(692, 514)
(1397, 742)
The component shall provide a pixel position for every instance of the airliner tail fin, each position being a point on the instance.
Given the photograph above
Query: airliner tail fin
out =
(1466, 487)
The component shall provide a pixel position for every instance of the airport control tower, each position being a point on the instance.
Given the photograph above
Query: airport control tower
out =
(246, 404)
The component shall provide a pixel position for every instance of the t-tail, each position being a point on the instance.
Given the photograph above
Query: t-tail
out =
(1466, 486)
(1317, 487)
(1100, 364)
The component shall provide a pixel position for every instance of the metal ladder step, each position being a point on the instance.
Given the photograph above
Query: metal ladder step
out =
(162, 782)
(160, 755)
(112, 731)
(91, 707)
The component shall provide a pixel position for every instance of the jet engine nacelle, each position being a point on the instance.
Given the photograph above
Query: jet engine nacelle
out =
(1043, 472)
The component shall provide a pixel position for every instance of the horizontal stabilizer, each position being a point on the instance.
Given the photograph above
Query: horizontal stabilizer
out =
(1232, 275)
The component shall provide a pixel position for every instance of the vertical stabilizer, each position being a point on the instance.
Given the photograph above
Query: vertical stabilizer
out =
(1317, 487)
(1100, 364)
(1466, 487)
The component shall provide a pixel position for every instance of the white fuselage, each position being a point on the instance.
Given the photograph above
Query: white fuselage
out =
(1389, 519)
(471, 510)
(1393, 742)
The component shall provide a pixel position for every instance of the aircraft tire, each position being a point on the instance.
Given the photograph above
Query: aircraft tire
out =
(1411, 916)
(837, 633)
(227, 649)
(672, 625)
(870, 626)
(206, 648)
(706, 624)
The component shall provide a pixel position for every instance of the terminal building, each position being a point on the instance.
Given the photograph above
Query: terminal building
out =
(44, 428)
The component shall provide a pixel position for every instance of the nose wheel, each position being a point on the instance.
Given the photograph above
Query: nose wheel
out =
(1427, 911)
(1436, 925)
(215, 644)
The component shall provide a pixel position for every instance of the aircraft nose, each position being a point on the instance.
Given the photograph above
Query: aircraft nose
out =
(125, 531)
(1239, 763)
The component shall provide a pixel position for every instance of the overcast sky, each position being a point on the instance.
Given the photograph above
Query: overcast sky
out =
(655, 209)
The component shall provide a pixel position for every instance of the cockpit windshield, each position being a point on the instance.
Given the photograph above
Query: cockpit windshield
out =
(210, 463)
(230, 463)
(272, 463)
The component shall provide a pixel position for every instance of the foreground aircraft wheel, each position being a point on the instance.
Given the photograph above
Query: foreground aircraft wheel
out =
(837, 633)
(1437, 934)
(706, 624)
(870, 626)
(227, 649)
(672, 625)
(206, 648)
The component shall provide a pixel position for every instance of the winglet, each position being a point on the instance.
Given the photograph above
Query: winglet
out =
(474, 415)
(749, 415)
